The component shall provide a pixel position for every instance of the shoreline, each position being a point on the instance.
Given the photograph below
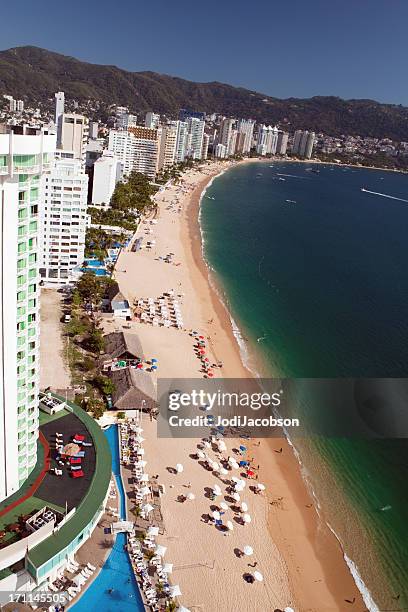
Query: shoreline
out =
(302, 562)
(294, 471)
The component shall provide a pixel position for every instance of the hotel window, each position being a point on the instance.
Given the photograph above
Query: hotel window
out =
(21, 295)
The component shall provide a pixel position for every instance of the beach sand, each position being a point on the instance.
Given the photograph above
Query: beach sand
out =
(301, 561)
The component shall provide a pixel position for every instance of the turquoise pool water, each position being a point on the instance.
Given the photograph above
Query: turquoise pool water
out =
(117, 571)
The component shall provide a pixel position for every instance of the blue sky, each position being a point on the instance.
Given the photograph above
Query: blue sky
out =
(300, 48)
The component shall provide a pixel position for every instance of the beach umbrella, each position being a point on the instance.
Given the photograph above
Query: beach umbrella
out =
(288, 609)
(210, 374)
(258, 576)
(231, 460)
(215, 466)
(175, 591)
(139, 366)
(147, 508)
(244, 507)
(248, 551)
(140, 464)
(144, 491)
(140, 451)
(235, 496)
(144, 478)
(230, 526)
(224, 506)
(250, 473)
(242, 448)
(190, 496)
(216, 515)
(260, 486)
(154, 367)
(182, 609)
(239, 488)
(247, 518)
(223, 471)
(179, 468)
(207, 444)
(235, 479)
(168, 568)
(241, 483)
(200, 454)
(138, 429)
(139, 439)
(221, 445)
(153, 531)
(201, 337)
(154, 360)
(160, 550)
(217, 490)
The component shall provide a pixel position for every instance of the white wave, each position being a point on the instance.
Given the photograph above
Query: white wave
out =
(384, 195)
(292, 175)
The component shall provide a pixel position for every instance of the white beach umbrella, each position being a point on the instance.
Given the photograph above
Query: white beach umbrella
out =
(247, 518)
(140, 451)
(288, 609)
(182, 609)
(215, 466)
(207, 444)
(190, 496)
(141, 464)
(147, 508)
(167, 568)
(201, 455)
(139, 439)
(179, 468)
(144, 491)
(138, 429)
(235, 496)
(217, 490)
(144, 478)
(216, 515)
(160, 550)
(235, 465)
(235, 479)
(241, 483)
(221, 445)
(238, 488)
(230, 526)
(248, 551)
(224, 506)
(210, 462)
(260, 486)
(223, 471)
(258, 576)
(175, 591)
(153, 531)
(244, 507)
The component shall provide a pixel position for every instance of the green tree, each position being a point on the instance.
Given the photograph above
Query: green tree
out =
(105, 384)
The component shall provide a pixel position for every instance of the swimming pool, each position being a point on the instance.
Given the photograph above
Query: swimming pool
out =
(117, 573)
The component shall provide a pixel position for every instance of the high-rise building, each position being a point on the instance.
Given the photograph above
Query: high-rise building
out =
(303, 142)
(59, 111)
(124, 121)
(74, 135)
(195, 137)
(63, 221)
(152, 120)
(25, 154)
(137, 149)
(245, 135)
(93, 130)
(182, 139)
(267, 140)
(282, 143)
(206, 142)
(20, 106)
(107, 172)
(168, 144)
(220, 151)
(224, 135)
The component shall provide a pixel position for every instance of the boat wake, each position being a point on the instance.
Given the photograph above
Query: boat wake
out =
(292, 175)
(383, 195)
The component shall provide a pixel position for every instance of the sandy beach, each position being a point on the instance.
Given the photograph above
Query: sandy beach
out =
(301, 561)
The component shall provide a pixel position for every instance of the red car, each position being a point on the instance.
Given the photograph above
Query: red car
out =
(75, 460)
(78, 474)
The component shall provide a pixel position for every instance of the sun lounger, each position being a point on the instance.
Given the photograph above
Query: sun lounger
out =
(91, 567)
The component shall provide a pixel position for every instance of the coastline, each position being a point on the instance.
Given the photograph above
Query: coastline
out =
(334, 562)
(308, 569)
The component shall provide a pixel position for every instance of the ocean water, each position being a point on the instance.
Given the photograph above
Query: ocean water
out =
(314, 273)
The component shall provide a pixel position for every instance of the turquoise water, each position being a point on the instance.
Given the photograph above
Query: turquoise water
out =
(117, 573)
(324, 264)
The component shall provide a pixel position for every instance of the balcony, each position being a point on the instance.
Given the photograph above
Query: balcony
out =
(4, 170)
(27, 169)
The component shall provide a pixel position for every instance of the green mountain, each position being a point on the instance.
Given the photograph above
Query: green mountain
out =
(35, 74)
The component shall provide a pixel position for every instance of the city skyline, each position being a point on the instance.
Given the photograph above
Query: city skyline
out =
(326, 51)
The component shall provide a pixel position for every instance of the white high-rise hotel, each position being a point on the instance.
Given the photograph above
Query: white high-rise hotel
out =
(25, 153)
(63, 221)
